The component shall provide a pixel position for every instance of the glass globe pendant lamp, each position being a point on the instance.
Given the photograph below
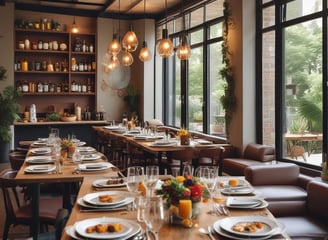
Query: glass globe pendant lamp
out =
(145, 53)
(130, 41)
(114, 47)
(127, 59)
(114, 63)
(183, 51)
(165, 46)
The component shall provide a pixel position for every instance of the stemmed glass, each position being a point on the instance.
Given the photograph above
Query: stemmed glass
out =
(77, 158)
(154, 215)
(208, 175)
(152, 176)
(135, 176)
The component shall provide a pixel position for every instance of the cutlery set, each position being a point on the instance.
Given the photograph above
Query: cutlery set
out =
(219, 210)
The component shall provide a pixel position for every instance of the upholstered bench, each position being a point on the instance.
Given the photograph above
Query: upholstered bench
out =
(281, 185)
(313, 224)
(254, 154)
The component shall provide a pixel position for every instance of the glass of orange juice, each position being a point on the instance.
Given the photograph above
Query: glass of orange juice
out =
(185, 208)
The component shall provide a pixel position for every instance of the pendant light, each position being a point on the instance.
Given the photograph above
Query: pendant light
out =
(145, 53)
(130, 41)
(127, 59)
(183, 50)
(74, 28)
(114, 63)
(114, 47)
(165, 46)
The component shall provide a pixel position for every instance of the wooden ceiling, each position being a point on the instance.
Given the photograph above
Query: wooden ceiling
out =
(121, 9)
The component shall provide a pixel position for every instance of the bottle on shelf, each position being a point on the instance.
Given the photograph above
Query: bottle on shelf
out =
(89, 86)
(91, 48)
(24, 65)
(84, 46)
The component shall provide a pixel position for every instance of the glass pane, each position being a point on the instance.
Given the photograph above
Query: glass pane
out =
(216, 30)
(214, 10)
(197, 17)
(178, 24)
(303, 92)
(216, 114)
(299, 8)
(268, 79)
(174, 90)
(195, 89)
(268, 16)
(196, 37)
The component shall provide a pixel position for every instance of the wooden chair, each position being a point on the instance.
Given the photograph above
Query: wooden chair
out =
(177, 159)
(16, 159)
(17, 213)
(209, 157)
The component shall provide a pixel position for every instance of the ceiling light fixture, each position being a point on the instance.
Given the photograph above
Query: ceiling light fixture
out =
(114, 47)
(130, 40)
(74, 28)
(183, 50)
(165, 46)
(127, 59)
(145, 53)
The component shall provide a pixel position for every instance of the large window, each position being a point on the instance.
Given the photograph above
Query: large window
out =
(194, 87)
(293, 39)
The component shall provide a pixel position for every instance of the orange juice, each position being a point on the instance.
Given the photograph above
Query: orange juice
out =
(185, 208)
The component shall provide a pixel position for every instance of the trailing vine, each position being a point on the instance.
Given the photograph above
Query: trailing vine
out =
(228, 100)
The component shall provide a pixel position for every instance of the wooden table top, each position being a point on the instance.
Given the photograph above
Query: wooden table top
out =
(167, 231)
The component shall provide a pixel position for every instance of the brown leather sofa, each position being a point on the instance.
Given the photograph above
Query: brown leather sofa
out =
(281, 185)
(313, 224)
(254, 154)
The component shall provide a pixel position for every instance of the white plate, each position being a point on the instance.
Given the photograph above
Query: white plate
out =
(41, 151)
(40, 168)
(90, 167)
(237, 190)
(268, 226)
(86, 150)
(80, 143)
(203, 142)
(222, 232)
(241, 183)
(39, 159)
(39, 143)
(246, 202)
(103, 183)
(90, 157)
(82, 203)
(164, 143)
(136, 229)
(118, 198)
(80, 228)
(112, 127)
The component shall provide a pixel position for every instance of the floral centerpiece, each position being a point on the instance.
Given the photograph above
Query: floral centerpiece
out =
(184, 136)
(67, 147)
(183, 188)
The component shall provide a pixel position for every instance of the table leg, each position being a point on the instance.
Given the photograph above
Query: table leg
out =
(35, 225)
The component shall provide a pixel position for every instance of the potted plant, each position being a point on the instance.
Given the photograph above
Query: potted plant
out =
(9, 108)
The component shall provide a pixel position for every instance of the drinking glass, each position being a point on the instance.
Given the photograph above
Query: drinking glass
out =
(135, 176)
(76, 157)
(152, 176)
(154, 215)
(208, 175)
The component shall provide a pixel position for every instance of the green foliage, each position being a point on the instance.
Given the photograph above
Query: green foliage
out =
(300, 125)
(9, 108)
(228, 100)
(3, 72)
(132, 99)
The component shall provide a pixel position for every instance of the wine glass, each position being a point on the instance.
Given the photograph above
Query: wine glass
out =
(208, 175)
(154, 215)
(135, 176)
(77, 157)
(152, 176)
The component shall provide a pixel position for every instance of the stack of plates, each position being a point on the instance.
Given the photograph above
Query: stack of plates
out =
(41, 151)
(164, 143)
(129, 229)
(246, 202)
(46, 168)
(39, 159)
(87, 150)
(90, 167)
(120, 199)
(90, 157)
(233, 227)
(241, 189)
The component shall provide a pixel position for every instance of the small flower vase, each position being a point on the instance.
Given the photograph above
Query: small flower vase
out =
(70, 151)
(63, 153)
(184, 140)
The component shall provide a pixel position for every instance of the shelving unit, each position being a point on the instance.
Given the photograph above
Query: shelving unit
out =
(55, 68)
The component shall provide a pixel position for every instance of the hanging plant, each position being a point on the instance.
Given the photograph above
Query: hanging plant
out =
(228, 100)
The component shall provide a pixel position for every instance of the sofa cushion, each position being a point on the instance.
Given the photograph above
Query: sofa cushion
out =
(259, 152)
(274, 174)
(298, 227)
(318, 199)
(236, 166)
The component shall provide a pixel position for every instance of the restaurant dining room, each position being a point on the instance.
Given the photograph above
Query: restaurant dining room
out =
(171, 119)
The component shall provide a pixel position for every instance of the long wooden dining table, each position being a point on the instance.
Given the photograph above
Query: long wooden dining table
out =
(68, 175)
(168, 230)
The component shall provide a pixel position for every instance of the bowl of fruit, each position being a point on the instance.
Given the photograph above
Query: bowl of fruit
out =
(68, 117)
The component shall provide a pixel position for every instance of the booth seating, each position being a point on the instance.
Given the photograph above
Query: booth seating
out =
(281, 185)
(313, 223)
(254, 154)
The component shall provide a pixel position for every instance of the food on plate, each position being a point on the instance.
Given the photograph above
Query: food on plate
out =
(114, 180)
(233, 182)
(105, 198)
(247, 227)
(103, 228)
